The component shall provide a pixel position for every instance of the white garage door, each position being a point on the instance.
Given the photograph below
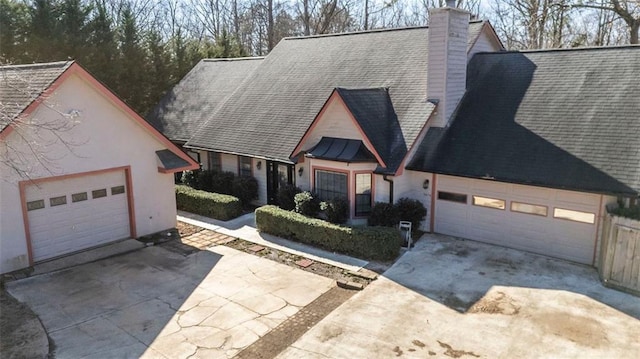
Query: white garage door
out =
(552, 222)
(73, 214)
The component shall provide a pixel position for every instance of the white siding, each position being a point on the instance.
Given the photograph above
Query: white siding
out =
(485, 43)
(334, 122)
(410, 184)
(105, 137)
(261, 176)
(447, 60)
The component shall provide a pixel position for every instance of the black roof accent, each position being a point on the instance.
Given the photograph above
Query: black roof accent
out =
(562, 119)
(374, 112)
(341, 150)
(171, 160)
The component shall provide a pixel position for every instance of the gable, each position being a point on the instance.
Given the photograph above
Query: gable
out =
(81, 126)
(335, 120)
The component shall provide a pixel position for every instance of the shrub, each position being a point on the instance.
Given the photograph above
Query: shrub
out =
(411, 210)
(632, 212)
(377, 243)
(190, 178)
(214, 205)
(245, 188)
(307, 204)
(286, 197)
(336, 210)
(222, 182)
(384, 214)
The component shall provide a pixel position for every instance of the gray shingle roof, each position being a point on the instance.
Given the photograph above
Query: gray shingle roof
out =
(563, 119)
(22, 84)
(271, 110)
(191, 102)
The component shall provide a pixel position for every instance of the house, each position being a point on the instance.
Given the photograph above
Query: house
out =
(521, 149)
(78, 167)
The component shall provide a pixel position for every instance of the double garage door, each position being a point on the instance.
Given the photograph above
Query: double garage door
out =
(552, 222)
(77, 213)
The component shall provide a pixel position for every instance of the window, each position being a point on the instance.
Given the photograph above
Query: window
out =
(577, 216)
(453, 197)
(99, 193)
(489, 202)
(77, 197)
(363, 194)
(57, 201)
(331, 185)
(244, 166)
(215, 162)
(529, 208)
(33, 205)
(117, 190)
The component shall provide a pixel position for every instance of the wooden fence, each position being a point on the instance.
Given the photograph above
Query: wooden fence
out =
(620, 254)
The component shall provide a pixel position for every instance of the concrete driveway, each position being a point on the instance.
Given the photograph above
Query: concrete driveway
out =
(454, 298)
(159, 304)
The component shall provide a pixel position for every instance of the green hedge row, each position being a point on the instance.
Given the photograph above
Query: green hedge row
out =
(213, 205)
(365, 242)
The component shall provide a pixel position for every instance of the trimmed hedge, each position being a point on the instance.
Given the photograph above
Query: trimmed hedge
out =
(365, 242)
(213, 205)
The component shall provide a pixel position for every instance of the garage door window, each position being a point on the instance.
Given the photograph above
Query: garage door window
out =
(453, 197)
(489, 202)
(57, 201)
(529, 208)
(99, 193)
(79, 197)
(117, 190)
(33, 205)
(577, 216)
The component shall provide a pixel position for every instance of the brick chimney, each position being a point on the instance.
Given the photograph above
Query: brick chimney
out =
(447, 59)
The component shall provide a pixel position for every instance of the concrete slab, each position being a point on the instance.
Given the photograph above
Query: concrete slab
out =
(243, 227)
(155, 303)
(454, 298)
(89, 255)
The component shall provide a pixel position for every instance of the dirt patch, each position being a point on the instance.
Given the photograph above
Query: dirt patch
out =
(21, 331)
(581, 330)
(496, 303)
(455, 353)
(398, 351)
(501, 263)
(323, 269)
(418, 343)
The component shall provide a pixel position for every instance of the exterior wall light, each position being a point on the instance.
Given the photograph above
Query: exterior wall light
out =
(300, 171)
(259, 165)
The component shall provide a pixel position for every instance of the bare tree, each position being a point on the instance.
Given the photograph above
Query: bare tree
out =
(29, 148)
(627, 10)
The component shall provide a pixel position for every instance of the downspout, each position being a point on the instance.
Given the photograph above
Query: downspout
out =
(384, 177)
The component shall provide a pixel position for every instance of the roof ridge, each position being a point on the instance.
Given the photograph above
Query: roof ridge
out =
(570, 49)
(364, 32)
(40, 65)
(233, 58)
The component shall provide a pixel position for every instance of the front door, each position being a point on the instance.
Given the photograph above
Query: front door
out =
(278, 175)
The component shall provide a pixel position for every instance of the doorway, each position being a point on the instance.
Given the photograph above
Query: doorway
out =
(278, 174)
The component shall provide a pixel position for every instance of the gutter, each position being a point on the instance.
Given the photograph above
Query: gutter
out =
(385, 177)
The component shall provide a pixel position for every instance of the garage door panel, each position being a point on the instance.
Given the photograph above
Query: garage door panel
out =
(74, 226)
(527, 231)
